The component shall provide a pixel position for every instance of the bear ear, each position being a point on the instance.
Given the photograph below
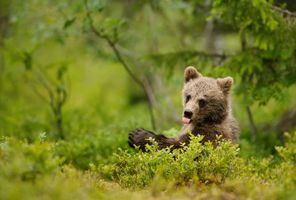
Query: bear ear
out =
(225, 84)
(191, 73)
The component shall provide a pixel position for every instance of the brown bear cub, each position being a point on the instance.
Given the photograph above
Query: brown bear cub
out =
(207, 112)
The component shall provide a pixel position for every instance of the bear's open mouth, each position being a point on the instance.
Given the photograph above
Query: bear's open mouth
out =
(186, 120)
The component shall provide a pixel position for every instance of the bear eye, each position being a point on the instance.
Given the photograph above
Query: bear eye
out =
(188, 97)
(202, 103)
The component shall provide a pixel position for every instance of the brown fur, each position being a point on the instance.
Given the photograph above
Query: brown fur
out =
(209, 101)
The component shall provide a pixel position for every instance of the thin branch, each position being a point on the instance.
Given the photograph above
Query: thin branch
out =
(118, 55)
(212, 55)
(43, 81)
(113, 46)
(285, 12)
(35, 90)
(133, 76)
(48, 90)
(138, 81)
(195, 53)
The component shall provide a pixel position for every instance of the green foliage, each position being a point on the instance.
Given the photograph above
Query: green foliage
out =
(196, 163)
(218, 167)
(268, 49)
(205, 163)
(288, 152)
(69, 22)
(53, 92)
(27, 60)
(44, 51)
(27, 162)
(212, 170)
(91, 149)
(266, 53)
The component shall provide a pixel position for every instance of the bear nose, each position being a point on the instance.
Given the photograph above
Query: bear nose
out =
(188, 114)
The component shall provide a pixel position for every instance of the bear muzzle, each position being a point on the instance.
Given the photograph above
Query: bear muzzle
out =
(187, 117)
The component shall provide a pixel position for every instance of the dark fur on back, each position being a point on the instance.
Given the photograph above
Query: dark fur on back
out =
(208, 101)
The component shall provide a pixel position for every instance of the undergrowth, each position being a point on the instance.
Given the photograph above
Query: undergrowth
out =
(203, 171)
(200, 165)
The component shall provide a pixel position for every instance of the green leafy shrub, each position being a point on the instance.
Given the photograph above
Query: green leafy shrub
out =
(288, 151)
(21, 160)
(202, 170)
(217, 170)
(206, 163)
(87, 149)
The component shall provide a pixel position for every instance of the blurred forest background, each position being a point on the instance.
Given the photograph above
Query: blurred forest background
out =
(77, 76)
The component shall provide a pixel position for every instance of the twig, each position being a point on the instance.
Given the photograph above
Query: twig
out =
(283, 11)
(54, 98)
(119, 57)
(195, 53)
(138, 81)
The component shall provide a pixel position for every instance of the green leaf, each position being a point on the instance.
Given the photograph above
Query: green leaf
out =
(69, 22)
(100, 6)
(27, 60)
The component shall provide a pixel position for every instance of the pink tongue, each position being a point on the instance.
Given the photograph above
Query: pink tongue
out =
(185, 120)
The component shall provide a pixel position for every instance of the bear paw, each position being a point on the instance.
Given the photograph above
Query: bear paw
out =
(139, 137)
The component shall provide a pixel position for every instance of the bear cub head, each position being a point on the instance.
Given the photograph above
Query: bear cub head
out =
(206, 100)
